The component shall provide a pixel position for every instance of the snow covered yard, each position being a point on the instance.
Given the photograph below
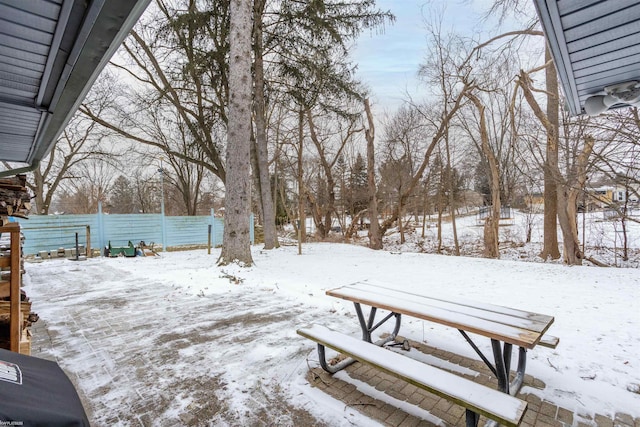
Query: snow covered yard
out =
(175, 339)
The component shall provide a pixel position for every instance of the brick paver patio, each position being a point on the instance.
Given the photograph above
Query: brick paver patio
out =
(430, 409)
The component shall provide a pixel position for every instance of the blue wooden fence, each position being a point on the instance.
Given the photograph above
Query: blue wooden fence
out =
(50, 232)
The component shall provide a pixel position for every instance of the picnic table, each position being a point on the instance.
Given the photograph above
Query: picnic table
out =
(504, 326)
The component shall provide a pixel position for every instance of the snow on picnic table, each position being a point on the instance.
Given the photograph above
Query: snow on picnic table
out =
(176, 332)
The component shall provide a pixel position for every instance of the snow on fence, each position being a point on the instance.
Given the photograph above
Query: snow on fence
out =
(50, 232)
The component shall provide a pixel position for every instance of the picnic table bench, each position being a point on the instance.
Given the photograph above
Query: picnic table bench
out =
(476, 398)
(504, 326)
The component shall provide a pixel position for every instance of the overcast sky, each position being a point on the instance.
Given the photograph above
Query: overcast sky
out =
(388, 62)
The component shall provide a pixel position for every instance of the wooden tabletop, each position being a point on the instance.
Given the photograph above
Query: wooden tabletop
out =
(518, 327)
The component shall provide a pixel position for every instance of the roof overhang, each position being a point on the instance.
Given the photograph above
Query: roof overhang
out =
(595, 45)
(51, 53)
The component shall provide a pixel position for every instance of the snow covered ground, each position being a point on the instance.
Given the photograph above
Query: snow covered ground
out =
(603, 238)
(176, 338)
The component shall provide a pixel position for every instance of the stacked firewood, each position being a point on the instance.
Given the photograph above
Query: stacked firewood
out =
(14, 201)
(14, 197)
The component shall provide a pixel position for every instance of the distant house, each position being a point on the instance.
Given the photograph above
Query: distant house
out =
(620, 194)
(606, 195)
(599, 197)
(534, 201)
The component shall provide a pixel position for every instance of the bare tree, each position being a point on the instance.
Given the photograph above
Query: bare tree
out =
(183, 186)
(90, 187)
(505, 9)
(613, 158)
(179, 173)
(395, 174)
(147, 191)
(262, 154)
(567, 188)
(451, 192)
(80, 142)
(617, 156)
(441, 61)
(375, 235)
(492, 221)
(552, 125)
(174, 66)
(339, 130)
(404, 138)
(302, 219)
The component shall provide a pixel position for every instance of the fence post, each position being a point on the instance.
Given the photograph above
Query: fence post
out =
(163, 225)
(88, 248)
(213, 228)
(101, 231)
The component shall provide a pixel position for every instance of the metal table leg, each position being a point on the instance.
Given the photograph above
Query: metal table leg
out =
(367, 327)
(472, 418)
(501, 367)
(332, 369)
(517, 382)
(501, 371)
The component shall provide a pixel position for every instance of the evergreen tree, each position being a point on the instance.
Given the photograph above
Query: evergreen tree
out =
(481, 183)
(358, 199)
(122, 200)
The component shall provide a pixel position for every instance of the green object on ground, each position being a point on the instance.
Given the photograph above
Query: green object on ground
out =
(128, 251)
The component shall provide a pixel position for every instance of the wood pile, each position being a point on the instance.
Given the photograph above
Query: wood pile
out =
(28, 317)
(14, 201)
(14, 197)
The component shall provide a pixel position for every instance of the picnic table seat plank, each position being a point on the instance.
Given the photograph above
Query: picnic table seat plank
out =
(549, 341)
(514, 330)
(493, 404)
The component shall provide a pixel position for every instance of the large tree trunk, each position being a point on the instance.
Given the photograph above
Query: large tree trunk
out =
(375, 236)
(302, 218)
(452, 208)
(255, 177)
(551, 197)
(38, 191)
(550, 121)
(266, 198)
(568, 195)
(324, 221)
(492, 223)
(316, 214)
(568, 226)
(491, 237)
(236, 245)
